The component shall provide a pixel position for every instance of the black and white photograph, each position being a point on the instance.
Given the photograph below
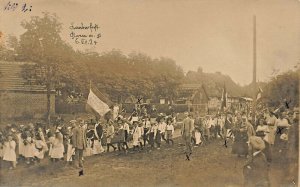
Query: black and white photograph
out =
(149, 93)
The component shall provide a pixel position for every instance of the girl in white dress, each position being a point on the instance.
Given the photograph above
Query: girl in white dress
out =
(137, 133)
(10, 151)
(197, 137)
(40, 147)
(28, 147)
(57, 152)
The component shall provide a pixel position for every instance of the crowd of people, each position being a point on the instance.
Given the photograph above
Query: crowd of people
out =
(77, 138)
(272, 133)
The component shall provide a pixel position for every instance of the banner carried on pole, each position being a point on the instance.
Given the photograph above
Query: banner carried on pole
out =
(99, 106)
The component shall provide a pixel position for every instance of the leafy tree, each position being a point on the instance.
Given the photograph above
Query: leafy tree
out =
(283, 88)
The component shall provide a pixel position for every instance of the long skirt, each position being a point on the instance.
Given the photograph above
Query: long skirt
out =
(88, 151)
(57, 151)
(198, 137)
(70, 152)
(40, 149)
(9, 153)
(29, 150)
(97, 148)
(240, 146)
(136, 139)
(271, 134)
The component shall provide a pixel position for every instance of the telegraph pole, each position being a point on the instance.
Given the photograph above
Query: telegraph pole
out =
(254, 71)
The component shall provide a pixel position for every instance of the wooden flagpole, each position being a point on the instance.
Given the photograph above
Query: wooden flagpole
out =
(254, 71)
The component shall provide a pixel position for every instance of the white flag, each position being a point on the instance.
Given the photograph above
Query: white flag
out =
(99, 106)
(258, 96)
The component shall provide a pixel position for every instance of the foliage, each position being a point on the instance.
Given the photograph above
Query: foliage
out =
(283, 88)
(118, 75)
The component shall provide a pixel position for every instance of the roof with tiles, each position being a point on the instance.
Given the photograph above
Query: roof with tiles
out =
(12, 77)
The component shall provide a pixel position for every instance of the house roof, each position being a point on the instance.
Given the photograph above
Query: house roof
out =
(11, 78)
(190, 86)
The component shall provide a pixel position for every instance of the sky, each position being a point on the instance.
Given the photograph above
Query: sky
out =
(216, 35)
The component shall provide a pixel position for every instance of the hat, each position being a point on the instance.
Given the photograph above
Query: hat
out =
(257, 143)
(284, 137)
(73, 121)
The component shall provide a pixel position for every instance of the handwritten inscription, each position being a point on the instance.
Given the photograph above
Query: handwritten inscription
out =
(14, 6)
(85, 34)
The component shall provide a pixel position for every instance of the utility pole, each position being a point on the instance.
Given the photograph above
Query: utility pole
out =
(254, 71)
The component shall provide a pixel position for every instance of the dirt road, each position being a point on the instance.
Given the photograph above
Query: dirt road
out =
(211, 165)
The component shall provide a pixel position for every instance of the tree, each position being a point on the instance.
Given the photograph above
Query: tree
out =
(41, 43)
(283, 87)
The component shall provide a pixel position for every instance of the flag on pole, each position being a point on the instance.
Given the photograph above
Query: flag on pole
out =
(224, 98)
(97, 104)
(258, 96)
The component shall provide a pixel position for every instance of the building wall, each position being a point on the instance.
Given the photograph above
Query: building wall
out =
(25, 104)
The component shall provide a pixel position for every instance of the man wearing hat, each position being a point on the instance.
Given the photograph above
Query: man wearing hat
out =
(186, 132)
(256, 171)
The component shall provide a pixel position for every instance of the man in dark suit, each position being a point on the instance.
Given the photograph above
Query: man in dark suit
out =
(79, 141)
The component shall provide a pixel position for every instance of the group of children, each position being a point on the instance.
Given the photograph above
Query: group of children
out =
(140, 131)
(32, 143)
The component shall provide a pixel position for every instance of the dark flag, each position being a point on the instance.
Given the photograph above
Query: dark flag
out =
(224, 98)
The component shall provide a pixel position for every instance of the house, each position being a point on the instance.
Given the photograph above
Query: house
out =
(21, 96)
(214, 102)
(194, 96)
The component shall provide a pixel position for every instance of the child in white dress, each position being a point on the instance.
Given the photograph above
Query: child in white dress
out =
(137, 133)
(57, 152)
(28, 147)
(40, 148)
(10, 151)
(197, 137)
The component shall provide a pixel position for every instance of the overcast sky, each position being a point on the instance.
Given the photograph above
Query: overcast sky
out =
(214, 34)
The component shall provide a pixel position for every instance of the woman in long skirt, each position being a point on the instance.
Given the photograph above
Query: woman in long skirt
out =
(240, 146)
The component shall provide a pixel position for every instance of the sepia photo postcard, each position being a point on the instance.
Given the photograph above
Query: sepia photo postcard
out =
(149, 93)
